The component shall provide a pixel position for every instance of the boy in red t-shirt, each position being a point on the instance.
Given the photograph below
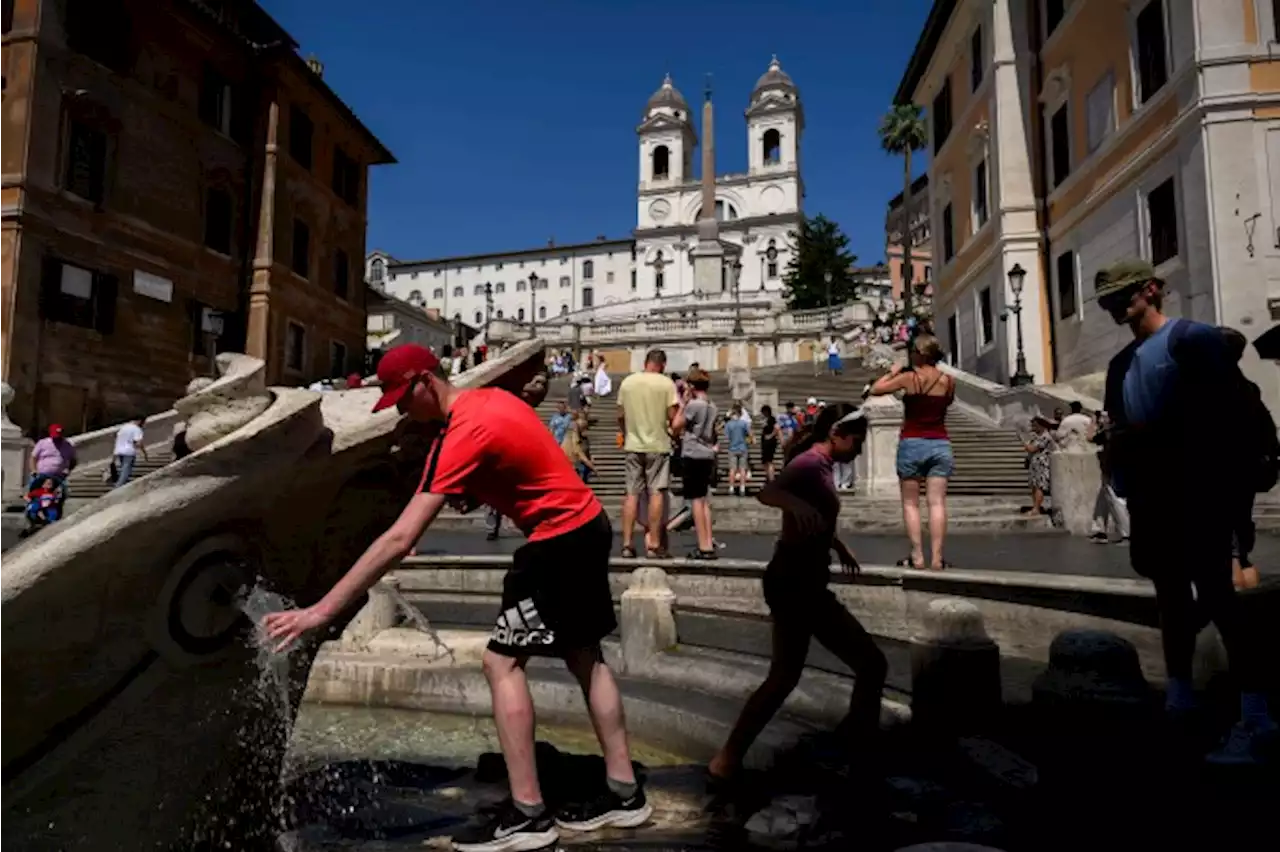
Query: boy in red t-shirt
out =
(555, 599)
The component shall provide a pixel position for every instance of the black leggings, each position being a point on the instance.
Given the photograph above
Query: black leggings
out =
(1189, 561)
(803, 608)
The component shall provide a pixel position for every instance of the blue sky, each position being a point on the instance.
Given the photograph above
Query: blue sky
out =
(514, 122)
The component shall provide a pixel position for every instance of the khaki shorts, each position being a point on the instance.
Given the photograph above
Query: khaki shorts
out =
(648, 472)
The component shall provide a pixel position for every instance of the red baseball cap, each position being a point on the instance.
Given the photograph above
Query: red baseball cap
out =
(55, 431)
(399, 367)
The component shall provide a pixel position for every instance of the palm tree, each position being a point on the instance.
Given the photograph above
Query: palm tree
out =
(902, 130)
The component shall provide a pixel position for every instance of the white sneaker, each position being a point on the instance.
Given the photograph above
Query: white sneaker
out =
(1244, 744)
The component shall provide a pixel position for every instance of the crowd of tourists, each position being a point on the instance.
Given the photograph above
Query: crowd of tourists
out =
(1182, 521)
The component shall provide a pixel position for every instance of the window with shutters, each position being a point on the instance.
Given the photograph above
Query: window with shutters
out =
(100, 30)
(1162, 221)
(86, 169)
(346, 177)
(588, 297)
(1151, 53)
(1068, 304)
(341, 274)
(76, 295)
(218, 220)
(295, 347)
(301, 254)
(337, 359)
(301, 137)
(216, 101)
(941, 116)
(948, 235)
(1060, 144)
(976, 58)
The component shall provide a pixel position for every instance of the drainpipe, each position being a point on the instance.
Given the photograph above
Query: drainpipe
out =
(1042, 186)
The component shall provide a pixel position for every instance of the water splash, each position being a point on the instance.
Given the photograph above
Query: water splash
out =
(419, 621)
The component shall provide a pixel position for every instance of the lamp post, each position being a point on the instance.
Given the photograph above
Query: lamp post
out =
(826, 279)
(533, 305)
(215, 322)
(736, 270)
(1017, 276)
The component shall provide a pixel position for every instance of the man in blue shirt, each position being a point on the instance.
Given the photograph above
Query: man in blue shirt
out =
(559, 422)
(736, 429)
(1173, 395)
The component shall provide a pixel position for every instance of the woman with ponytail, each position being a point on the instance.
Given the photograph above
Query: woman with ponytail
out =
(795, 586)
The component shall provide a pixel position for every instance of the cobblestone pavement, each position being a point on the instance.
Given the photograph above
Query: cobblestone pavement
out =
(1042, 553)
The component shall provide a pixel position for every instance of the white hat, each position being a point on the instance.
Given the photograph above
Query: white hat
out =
(813, 400)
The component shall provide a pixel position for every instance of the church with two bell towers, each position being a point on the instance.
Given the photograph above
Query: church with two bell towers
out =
(694, 232)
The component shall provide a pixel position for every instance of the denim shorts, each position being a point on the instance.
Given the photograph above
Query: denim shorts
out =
(920, 458)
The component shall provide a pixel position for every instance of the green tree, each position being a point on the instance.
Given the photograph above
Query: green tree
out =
(902, 131)
(819, 247)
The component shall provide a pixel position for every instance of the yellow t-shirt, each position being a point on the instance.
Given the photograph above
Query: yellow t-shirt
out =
(645, 397)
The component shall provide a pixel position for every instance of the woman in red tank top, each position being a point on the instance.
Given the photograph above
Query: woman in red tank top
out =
(924, 449)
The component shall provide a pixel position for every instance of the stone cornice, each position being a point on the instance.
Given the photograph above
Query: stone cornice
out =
(735, 226)
(739, 179)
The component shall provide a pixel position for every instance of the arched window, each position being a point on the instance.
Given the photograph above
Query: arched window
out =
(588, 269)
(416, 297)
(457, 292)
(499, 287)
(521, 286)
(520, 315)
(499, 313)
(479, 318)
(725, 212)
(661, 162)
(479, 291)
(564, 310)
(437, 293)
(377, 271)
(771, 146)
(542, 311)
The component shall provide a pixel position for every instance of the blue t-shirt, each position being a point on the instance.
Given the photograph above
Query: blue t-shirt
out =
(786, 425)
(736, 429)
(1153, 377)
(559, 425)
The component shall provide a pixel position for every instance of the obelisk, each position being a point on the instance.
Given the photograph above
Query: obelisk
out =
(708, 254)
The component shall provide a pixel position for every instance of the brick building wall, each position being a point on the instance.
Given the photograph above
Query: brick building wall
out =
(134, 137)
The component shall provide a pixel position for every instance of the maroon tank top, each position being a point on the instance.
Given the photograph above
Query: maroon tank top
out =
(925, 415)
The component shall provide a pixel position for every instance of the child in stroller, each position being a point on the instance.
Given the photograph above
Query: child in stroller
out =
(45, 497)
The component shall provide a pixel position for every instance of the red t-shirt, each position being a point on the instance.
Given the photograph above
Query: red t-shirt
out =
(496, 449)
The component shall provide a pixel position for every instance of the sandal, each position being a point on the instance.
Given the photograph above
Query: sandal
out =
(908, 562)
(628, 552)
(658, 553)
(706, 555)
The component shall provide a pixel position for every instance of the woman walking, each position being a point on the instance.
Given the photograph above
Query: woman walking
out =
(768, 441)
(801, 606)
(924, 448)
(1038, 449)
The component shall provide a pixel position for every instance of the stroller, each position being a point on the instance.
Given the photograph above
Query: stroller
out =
(44, 505)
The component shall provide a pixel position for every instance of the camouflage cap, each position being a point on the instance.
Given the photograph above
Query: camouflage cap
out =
(1122, 275)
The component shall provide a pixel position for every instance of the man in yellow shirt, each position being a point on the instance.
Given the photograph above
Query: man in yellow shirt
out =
(649, 414)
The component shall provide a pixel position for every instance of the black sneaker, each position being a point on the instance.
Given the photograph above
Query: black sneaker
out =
(607, 809)
(503, 828)
(1099, 538)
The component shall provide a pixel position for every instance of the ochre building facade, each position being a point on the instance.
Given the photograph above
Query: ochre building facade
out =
(177, 182)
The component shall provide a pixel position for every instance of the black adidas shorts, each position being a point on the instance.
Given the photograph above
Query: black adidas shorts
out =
(555, 598)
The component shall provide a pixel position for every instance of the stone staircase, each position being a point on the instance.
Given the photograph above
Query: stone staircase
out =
(988, 459)
(86, 483)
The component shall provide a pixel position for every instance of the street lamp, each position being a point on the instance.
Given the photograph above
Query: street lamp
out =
(1017, 277)
(214, 324)
(826, 279)
(533, 305)
(737, 302)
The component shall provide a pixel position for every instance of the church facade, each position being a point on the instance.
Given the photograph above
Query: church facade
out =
(756, 211)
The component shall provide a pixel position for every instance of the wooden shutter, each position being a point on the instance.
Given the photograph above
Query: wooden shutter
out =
(105, 289)
(50, 288)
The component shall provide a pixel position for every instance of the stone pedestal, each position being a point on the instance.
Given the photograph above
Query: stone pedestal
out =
(955, 669)
(378, 614)
(648, 619)
(708, 260)
(1074, 478)
(877, 467)
(16, 451)
(1092, 670)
